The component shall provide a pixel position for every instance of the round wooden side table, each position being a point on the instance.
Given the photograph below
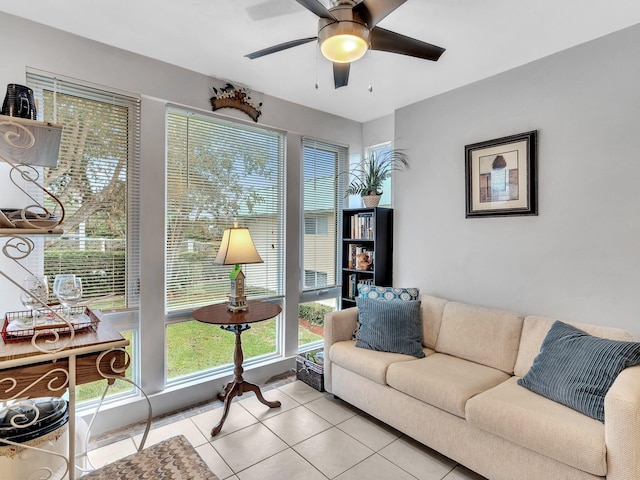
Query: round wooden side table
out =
(237, 322)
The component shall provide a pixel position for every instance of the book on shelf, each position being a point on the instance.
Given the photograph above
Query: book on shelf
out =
(353, 286)
(353, 282)
(362, 225)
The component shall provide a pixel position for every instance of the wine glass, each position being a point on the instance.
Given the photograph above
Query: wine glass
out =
(37, 293)
(68, 290)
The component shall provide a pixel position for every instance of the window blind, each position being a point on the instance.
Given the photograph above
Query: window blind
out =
(219, 172)
(322, 204)
(97, 180)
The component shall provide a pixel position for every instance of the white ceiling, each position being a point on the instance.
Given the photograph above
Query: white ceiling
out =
(482, 38)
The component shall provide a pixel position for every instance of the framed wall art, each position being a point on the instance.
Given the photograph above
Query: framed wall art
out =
(501, 176)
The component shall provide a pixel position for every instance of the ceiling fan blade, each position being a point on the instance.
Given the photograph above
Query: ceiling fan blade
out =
(317, 8)
(388, 41)
(341, 74)
(373, 11)
(280, 47)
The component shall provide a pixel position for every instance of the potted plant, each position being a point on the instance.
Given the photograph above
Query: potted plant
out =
(369, 175)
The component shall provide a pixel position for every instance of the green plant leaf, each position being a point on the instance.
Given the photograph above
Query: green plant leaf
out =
(369, 175)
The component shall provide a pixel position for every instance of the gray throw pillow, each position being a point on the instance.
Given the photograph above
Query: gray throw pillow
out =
(390, 326)
(384, 293)
(576, 369)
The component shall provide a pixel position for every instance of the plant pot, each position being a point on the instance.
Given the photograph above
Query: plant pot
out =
(370, 201)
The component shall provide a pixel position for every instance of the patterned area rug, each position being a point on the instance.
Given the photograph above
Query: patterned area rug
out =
(172, 459)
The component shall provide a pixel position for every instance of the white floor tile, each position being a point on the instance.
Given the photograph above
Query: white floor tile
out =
(296, 425)
(182, 427)
(372, 433)
(260, 410)
(284, 465)
(301, 392)
(329, 439)
(214, 461)
(420, 461)
(112, 452)
(332, 410)
(237, 418)
(248, 446)
(375, 468)
(333, 452)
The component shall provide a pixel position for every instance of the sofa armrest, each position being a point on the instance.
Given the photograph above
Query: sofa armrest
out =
(338, 326)
(622, 426)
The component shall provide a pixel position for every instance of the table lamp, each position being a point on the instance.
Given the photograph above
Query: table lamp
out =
(237, 247)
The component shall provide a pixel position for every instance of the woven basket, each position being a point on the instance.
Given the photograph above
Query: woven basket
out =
(370, 201)
(310, 372)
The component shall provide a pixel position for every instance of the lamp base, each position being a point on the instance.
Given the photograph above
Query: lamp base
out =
(237, 303)
(237, 308)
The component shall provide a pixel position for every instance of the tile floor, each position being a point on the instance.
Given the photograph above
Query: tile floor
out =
(312, 436)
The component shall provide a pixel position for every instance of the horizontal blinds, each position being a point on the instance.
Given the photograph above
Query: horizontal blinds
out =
(322, 161)
(219, 172)
(97, 180)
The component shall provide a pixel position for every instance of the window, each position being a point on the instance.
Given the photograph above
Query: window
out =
(385, 199)
(322, 203)
(316, 225)
(219, 172)
(314, 279)
(97, 181)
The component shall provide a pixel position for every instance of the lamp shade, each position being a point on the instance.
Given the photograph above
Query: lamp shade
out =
(237, 247)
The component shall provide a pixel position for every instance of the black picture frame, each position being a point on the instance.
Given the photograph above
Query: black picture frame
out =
(501, 176)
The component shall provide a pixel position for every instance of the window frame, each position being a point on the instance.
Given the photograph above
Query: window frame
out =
(172, 318)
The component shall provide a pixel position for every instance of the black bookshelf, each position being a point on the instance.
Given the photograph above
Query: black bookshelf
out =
(368, 231)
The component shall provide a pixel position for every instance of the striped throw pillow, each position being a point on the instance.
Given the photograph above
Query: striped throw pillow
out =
(576, 369)
(384, 293)
(390, 326)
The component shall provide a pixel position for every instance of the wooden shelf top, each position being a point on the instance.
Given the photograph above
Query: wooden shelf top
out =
(105, 333)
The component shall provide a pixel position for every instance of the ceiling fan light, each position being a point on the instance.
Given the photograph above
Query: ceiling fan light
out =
(344, 48)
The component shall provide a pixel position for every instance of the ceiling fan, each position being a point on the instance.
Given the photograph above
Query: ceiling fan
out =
(348, 29)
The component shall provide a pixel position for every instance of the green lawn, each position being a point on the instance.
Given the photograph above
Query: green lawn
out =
(194, 346)
(93, 390)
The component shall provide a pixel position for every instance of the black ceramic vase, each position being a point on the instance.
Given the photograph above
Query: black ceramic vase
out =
(19, 102)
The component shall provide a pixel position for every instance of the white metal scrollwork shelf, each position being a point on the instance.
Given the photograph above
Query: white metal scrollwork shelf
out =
(34, 219)
(111, 358)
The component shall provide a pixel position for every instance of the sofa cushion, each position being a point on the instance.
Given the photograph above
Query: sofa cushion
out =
(483, 335)
(432, 309)
(541, 425)
(368, 363)
(443, 381)
(577, 369)
(390, 326)
(535, 329)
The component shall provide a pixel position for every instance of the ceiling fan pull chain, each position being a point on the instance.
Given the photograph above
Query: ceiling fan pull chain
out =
(317, 85)
(370, 73)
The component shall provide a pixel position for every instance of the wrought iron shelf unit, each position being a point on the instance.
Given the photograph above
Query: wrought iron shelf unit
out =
(46, 366)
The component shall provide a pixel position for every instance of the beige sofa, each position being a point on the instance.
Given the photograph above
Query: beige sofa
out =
(462, 399)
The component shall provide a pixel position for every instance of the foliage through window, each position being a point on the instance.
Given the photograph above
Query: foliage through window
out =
(97, 181)
(219, 172)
